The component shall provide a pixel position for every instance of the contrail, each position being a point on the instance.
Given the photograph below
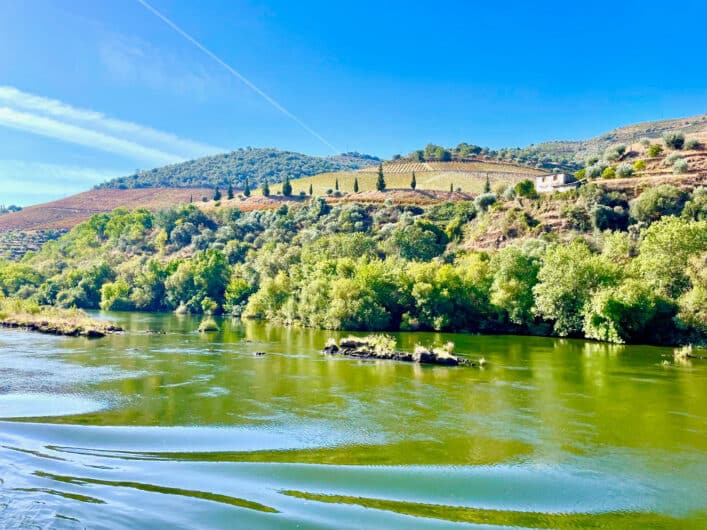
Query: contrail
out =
(238, 75)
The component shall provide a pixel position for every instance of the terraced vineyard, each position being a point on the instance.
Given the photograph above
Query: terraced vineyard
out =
(470, 177)
(15, 243)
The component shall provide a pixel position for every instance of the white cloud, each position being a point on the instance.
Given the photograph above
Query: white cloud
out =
(56, 119)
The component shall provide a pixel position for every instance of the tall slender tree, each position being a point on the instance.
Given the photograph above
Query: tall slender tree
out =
(413, 182)
(487, 184)
(217, 194)
(311, 191)
(266, 188)
(380, 183)
(451, 187)
(246, 191)
(230, 190)
(287, 187)
(355, 184)
(336, 184)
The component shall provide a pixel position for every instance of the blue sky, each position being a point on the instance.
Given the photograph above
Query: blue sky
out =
(90, 90)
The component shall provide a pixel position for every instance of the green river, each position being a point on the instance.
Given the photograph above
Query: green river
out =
(163, 427)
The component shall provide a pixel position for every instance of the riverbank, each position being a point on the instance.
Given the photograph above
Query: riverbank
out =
(52, 320)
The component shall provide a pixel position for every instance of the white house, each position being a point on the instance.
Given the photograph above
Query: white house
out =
(555, 182)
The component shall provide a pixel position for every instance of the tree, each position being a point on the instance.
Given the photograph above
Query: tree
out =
(665, 251)
(246, 191)
(451, 187)
(266, 188)
(380, 183)
(217, 194)
(567, 279)
(311, 190)
(336, 184)
(655, 203)
(287, 187)
(515, 274)
(413, 182)
(230, 190)
(629, 312)
(487, 184)
(355, 187)
(525, 188)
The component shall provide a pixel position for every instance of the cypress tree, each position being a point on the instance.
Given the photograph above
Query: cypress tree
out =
(336, 184)
(246, 191)
(217, 194)
(487, 185)
(287, 187)
(230, 190)
(266, 188)
(451, 187)
(413, 182)
(310, 189)
(355, 184)
(380, 184)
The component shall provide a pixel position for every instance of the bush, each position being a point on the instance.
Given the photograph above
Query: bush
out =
(674, 140)
(624, 170)
(577, 217)
(639, 165)
(655, 150)
(608, 218)
(483, 201)
(655, 203)
(609, 173)
(671, 159)
(526, 188)
(680, 166)
(693, 144)
(595, 170)
(696, 207)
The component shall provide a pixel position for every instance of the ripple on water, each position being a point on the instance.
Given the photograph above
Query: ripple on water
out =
(35, 405)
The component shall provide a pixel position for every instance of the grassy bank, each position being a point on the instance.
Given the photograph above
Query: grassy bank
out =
(28, 315)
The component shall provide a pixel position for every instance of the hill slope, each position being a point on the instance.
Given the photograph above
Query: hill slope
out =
(694, 126)
(66, 213)
(255, 164)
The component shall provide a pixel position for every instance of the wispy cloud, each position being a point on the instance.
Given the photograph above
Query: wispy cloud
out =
(49, 181)
(129, 60)
(56, 119)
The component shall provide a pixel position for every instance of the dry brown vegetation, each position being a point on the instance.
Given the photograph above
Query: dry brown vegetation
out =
(67, 213)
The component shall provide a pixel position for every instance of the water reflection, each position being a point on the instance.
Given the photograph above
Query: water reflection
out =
(551, 433)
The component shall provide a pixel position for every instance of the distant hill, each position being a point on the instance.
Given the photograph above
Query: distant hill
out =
(695, 126)
(565, 155)
(255, 164)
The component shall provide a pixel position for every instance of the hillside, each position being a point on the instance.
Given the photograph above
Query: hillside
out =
(694, 126)
(468, 177)
(67, 213)
(254, 164)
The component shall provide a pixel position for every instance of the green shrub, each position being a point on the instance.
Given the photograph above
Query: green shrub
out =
(639, 165)
(609, 173)
(609, 218)
(655, 203)
(693, 144)
(671, 159)
(655, 150)
(680, 166)
(624, 170)
(577, 217)
(484, 201)
(526, 188)
(674, 140)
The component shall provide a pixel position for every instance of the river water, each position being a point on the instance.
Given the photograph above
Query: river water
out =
(165, 428)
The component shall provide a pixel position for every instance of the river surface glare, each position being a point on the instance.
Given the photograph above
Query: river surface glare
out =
(163, 427)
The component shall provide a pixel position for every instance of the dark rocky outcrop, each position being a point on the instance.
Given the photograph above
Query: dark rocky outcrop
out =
(381, 347)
